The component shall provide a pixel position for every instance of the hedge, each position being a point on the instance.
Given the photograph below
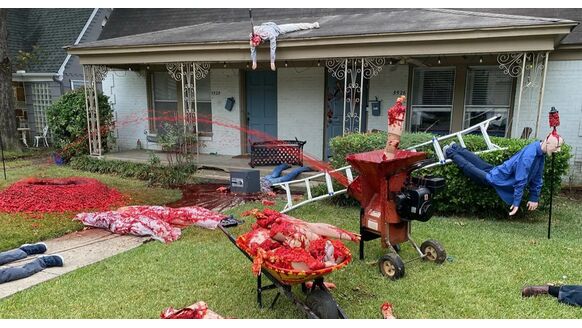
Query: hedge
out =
(166, 176)
(461, 195)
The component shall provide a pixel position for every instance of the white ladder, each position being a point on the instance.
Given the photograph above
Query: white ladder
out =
(438, 150)
(347, 170)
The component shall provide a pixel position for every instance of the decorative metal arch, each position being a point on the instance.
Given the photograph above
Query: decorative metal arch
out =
(353, 71)
(532, 69)
(93, 74)
(188, 73)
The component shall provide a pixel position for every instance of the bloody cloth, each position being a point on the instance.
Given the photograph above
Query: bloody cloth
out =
(58, 195)
(159, 222)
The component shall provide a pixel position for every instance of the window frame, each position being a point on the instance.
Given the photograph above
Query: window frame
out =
(412, 96)
(509, 106)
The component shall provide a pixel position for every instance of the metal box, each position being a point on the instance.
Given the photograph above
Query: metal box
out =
(246, 181)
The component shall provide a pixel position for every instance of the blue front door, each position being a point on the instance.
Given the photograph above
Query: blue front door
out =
(261, 90)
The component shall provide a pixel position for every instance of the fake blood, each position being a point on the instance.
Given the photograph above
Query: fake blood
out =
(58, 195)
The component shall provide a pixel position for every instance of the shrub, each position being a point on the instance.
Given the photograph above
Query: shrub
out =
(153, 173)
(67, 120)
(460, 196)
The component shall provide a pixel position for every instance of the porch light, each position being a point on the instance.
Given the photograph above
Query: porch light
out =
(318, 63)
(481, 59)
(224, 65)
(286, 64)
(390, 61)
(439, 60)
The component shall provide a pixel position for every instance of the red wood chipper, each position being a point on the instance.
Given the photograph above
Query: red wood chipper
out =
(390, 199)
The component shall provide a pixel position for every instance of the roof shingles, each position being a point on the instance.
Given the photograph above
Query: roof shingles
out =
(49, 29)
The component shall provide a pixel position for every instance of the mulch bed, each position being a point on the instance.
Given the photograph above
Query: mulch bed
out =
(58, 195)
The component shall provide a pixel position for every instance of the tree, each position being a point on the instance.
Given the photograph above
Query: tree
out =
(7, 114)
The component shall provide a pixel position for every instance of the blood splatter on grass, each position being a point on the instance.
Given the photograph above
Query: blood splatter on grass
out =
(58, 195)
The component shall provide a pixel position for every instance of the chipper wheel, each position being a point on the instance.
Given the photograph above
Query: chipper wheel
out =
(391, 266)
(434, 251)
(322, 304)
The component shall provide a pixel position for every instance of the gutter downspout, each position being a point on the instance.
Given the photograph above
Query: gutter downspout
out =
(62, 68)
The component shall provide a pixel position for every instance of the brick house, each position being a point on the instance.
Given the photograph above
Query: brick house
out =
(457, 68)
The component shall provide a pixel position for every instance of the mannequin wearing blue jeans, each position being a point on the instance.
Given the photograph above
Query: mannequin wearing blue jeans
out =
(523, 170)
(568, 294)
(37, 265)
(275, 176)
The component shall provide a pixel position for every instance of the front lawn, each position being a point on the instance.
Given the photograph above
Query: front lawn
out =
(490, 261)
(18, 229)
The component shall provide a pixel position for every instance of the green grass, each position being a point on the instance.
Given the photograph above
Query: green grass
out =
(490, 261)
(17, 229)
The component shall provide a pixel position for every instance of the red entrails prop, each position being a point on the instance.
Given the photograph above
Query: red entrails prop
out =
(290, 246)
(58, 195)
(386, 310)
(197, 310)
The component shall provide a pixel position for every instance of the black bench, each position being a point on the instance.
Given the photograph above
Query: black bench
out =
(276, 152)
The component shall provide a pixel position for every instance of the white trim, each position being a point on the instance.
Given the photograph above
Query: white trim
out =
(33, 77)
(62, 68)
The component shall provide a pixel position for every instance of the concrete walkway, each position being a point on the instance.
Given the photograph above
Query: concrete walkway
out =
(79, 249)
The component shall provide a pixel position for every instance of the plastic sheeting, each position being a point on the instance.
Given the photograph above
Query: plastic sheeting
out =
(160, 222)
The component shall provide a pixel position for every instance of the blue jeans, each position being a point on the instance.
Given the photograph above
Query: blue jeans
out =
(472, 165)
(571, 294)
(9, 274)
(275, 176)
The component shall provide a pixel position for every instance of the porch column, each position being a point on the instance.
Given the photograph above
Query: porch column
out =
(353, 71)
(93, 74)
(188, 73)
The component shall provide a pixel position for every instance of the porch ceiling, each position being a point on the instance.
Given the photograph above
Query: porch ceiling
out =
(407, 32)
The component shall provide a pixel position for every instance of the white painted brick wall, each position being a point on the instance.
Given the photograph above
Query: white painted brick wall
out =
(300, 93)
(128, 96)
(224, 83)
(564, 91)
(392, 78)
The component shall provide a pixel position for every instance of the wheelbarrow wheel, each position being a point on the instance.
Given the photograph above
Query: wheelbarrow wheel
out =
(433, 251)
(322, 304)
(391, 266)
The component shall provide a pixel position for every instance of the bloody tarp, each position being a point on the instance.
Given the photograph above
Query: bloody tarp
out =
(58, 195)
(160, 222)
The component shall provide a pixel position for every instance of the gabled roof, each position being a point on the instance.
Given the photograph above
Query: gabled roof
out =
(353, 22)
(130, 21)
(49, 29)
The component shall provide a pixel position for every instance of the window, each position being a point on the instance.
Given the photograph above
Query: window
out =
(20, 104)
(204, 105)
(41, 100)
(76, 84)
(432, 100)
(488, 94)
(165, 101)
(166, 95)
